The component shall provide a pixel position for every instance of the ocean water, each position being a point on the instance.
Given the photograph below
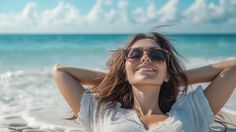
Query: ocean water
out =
(26, 85)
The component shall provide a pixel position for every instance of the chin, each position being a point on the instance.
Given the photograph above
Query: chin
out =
(145, 82)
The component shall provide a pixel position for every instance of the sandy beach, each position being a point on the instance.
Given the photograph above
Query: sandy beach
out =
(38, 120)
(19, 124)
(227, 117)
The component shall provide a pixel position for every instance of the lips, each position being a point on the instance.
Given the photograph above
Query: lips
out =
(146, 68)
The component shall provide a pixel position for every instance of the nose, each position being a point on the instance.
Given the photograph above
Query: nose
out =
(145, 57)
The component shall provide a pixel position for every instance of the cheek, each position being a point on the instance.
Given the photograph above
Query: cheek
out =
(129, 70)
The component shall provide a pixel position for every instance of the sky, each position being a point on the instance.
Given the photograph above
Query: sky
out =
(117, 16)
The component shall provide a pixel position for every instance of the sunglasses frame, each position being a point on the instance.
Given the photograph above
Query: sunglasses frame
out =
(126, 52)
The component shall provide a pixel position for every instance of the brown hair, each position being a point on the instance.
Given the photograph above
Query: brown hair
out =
(115, 87)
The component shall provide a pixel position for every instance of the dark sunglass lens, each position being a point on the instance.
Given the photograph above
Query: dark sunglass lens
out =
(135, 54)
(158, 55)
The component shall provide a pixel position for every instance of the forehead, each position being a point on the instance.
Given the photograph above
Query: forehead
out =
(145, 43)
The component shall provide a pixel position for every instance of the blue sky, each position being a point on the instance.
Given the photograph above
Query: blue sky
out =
(117, 16)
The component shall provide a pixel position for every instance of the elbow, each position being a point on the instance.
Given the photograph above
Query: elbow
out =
(56, 69)
(229, 74)
(57, 74)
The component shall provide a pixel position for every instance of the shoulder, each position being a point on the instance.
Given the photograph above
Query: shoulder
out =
(90, 104)
(193, 108)
(96, 116)
(193, 95)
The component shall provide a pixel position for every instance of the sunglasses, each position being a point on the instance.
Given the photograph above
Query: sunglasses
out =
(155, 54)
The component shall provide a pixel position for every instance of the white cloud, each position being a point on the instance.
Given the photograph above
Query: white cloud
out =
(151, 12)
(169, 12)
(200, 11)
(197, 12)
(109, 17)
(122, 4)
(115, 16)
(139, 15)
(27, 17)
(108, 2)
(97, 15)
(60, 15)
(145, 16)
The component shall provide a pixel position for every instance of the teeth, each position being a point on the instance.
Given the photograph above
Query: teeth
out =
(146, 68)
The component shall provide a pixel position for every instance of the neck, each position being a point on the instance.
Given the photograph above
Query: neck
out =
(146, 100)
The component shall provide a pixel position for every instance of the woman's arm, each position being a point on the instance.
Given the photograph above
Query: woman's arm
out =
(69, 80)
(208, 73)
(223, 82)
(221, 88)
(84, 76)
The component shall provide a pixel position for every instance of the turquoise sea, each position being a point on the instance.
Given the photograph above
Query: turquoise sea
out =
(26, 85)
(35, 52)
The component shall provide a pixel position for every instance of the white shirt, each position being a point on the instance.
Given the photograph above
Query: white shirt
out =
(190, 113)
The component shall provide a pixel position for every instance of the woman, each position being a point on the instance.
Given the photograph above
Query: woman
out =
(145, 89)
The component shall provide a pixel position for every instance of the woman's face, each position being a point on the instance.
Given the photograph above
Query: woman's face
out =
(145, 72)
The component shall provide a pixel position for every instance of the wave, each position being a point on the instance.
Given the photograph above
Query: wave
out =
(33, 73)
(15, 74)
(194, 62)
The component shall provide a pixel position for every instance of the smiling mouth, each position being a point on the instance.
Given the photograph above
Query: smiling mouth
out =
(146, 69)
